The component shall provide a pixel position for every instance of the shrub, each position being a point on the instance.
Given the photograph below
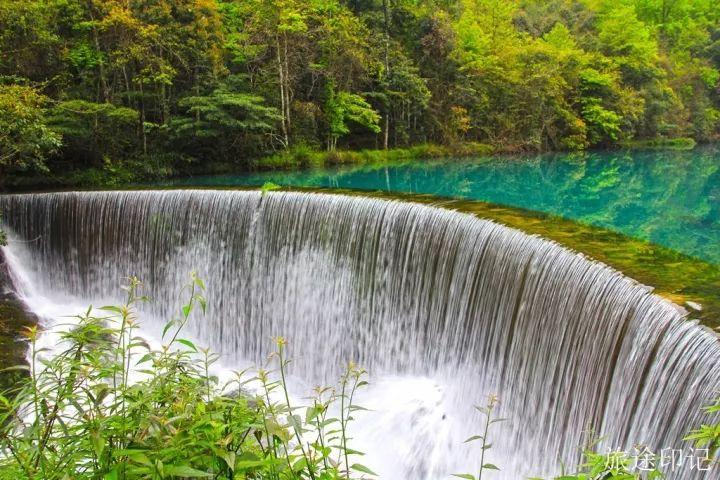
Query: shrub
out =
(110, 406)
(678, 143)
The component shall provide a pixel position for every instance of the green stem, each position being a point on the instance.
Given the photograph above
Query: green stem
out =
(343, 424)
(484, 441)
(290, 412)
(271, 442)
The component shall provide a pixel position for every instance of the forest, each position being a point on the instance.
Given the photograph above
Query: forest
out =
(149, 88)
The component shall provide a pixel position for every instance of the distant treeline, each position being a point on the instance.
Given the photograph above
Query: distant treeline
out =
(177, 84)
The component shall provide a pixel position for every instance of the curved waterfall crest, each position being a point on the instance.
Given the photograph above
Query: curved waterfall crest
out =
(408, 291)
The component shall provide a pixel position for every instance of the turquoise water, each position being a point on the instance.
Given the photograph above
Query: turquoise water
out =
(671, 198)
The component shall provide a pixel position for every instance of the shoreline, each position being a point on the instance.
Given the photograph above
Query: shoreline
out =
(298, 158)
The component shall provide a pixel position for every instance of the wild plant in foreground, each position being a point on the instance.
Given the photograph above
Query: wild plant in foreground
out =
(708, 436)
(485, 445)
(319, 442)
(107, 406)
(614, 465)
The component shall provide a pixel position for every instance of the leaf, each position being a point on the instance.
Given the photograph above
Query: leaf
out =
(241, 465)
(16, 367)
(300, 465)
(188, 344)
(312, 413)
(186, 471)
(295, 421)
(203, 303)
(362, 468)
(137, 457)
(473, 438)
(145, 358)
(490, 466)
(350, 451)
(464, 475)
(354, 408)
(228, 458)
(111, 475)
(276, 430)
(168, 325)
(111, 308)
(98, 443)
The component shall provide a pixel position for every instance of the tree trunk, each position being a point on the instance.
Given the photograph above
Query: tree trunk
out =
(281, 84)
(104, 90)
(386, 14)
(288, 99)
(142, 118)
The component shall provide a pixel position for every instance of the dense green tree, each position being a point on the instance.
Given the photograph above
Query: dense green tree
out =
(142, 80)
(30, 46)
(95, 133)
(25, 139)
(342, 107)
(222, 121)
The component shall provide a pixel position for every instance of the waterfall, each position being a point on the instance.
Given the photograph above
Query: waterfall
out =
(441, 307)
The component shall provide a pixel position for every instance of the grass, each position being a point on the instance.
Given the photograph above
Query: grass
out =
(302, 156)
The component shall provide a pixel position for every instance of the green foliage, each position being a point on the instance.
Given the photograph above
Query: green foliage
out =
(614, 465)
(225, 121)
(343, 107)
(224, 114)
(269, 187)
(201, 82)
(30, 45)
(25, 138)
(708, 436)
(602, 124)
(626, 39)
(95, 132)
(679, 143)
(107, 405)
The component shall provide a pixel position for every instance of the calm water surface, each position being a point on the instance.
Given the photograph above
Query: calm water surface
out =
(671, 198)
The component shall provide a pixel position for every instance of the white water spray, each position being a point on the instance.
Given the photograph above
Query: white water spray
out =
(442, 308)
